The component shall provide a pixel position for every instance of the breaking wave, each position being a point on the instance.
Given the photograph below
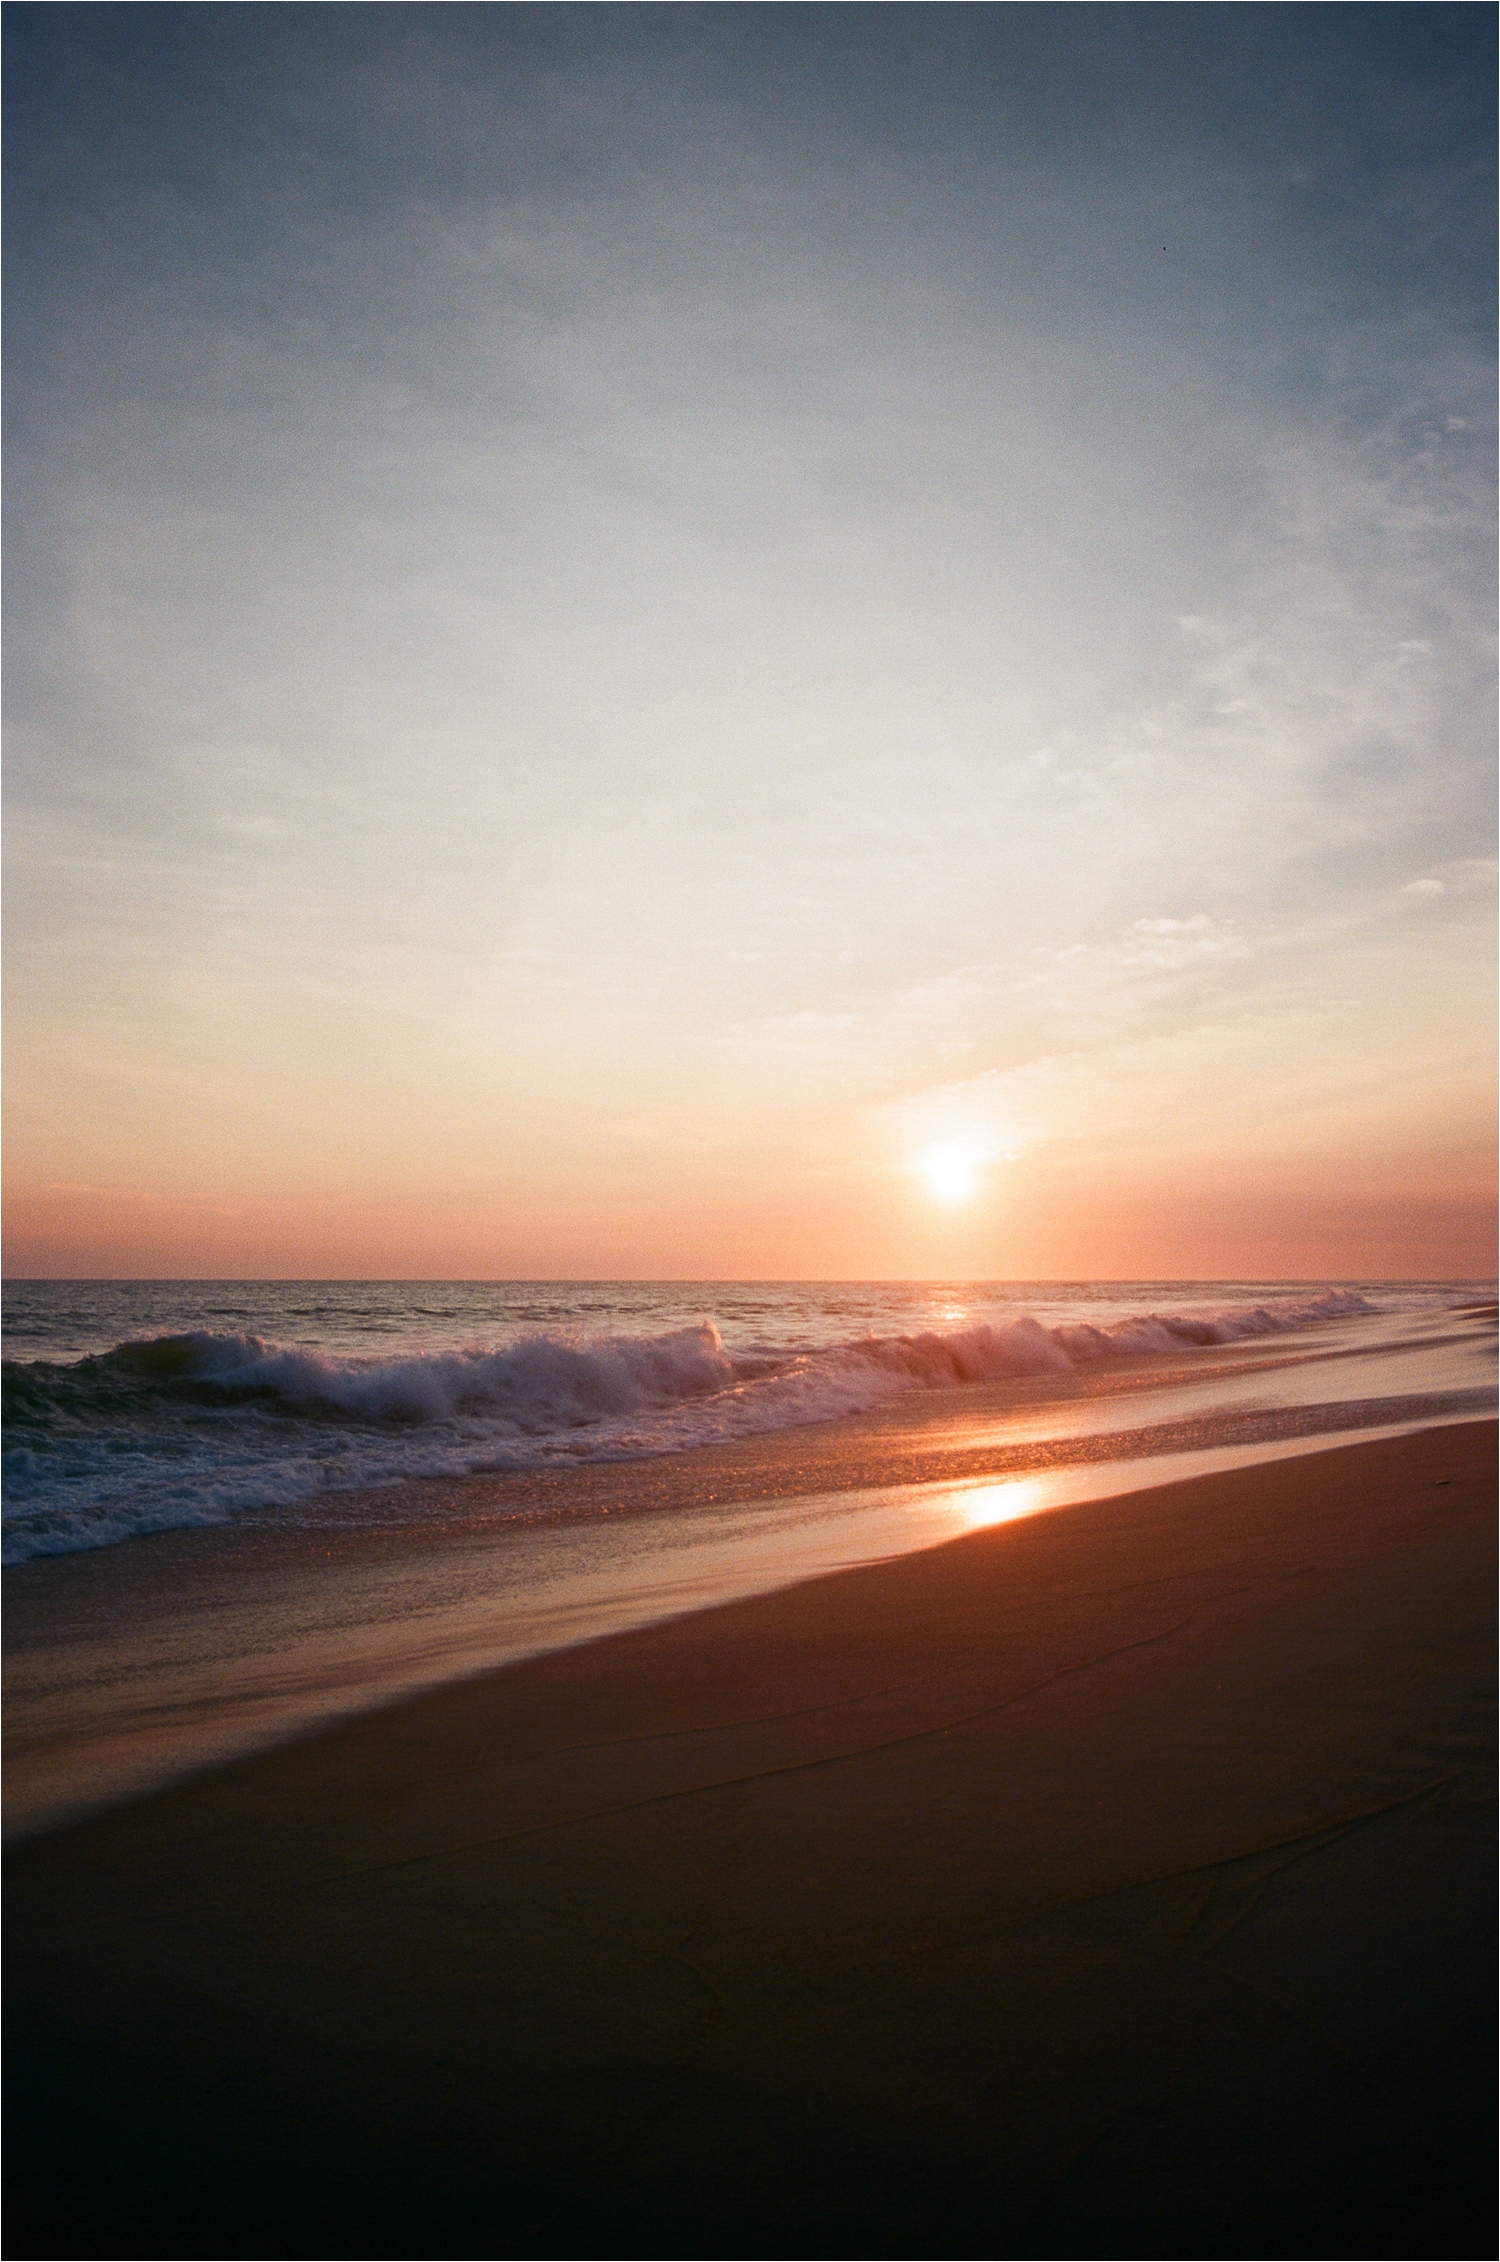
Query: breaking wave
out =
(177, 1430)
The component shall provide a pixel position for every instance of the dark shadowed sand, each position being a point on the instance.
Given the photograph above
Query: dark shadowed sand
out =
(1114, 1882)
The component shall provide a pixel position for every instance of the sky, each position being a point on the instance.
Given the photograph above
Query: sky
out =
(785, 642)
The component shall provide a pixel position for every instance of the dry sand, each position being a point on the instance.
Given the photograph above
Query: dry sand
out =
(1118, 1882)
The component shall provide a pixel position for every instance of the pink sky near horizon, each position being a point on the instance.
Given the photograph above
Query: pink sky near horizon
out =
(1035, 1223)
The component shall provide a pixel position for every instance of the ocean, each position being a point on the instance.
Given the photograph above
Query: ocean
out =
(139, 1407)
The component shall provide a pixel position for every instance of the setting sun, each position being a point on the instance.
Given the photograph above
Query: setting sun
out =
(950, 1172)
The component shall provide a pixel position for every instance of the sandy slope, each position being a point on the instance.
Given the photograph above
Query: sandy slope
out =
(1114, 1882)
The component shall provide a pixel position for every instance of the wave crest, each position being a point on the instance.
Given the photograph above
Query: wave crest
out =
(544, 1382)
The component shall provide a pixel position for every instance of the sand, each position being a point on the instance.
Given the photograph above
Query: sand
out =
(1115, 1882)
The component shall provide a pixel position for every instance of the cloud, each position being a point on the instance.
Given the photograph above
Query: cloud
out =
(1470, 876)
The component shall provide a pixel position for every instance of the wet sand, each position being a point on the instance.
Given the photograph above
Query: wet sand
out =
(1113, 1882)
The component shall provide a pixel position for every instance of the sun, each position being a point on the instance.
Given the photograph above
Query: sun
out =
(950, 1171)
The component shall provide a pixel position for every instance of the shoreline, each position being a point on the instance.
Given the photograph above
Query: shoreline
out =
(1430, 1344)
(130, 1666)
(1027, 1894)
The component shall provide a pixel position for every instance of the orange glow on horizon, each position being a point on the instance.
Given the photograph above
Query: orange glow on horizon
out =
(1055, 1226)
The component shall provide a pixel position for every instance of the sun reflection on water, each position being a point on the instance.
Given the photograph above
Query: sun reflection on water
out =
(1002, 1503)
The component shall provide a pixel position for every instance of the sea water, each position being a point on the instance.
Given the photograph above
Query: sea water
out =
(135, 1407)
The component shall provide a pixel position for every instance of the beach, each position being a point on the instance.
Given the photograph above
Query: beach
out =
(748, 1417)
(1116, 1880)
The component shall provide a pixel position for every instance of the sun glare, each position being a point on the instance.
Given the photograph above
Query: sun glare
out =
(950, 1172)
(1003, 1503)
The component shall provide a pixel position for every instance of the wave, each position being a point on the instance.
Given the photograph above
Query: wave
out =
(539, 1383)
(545, 1382)
(195, 1428)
